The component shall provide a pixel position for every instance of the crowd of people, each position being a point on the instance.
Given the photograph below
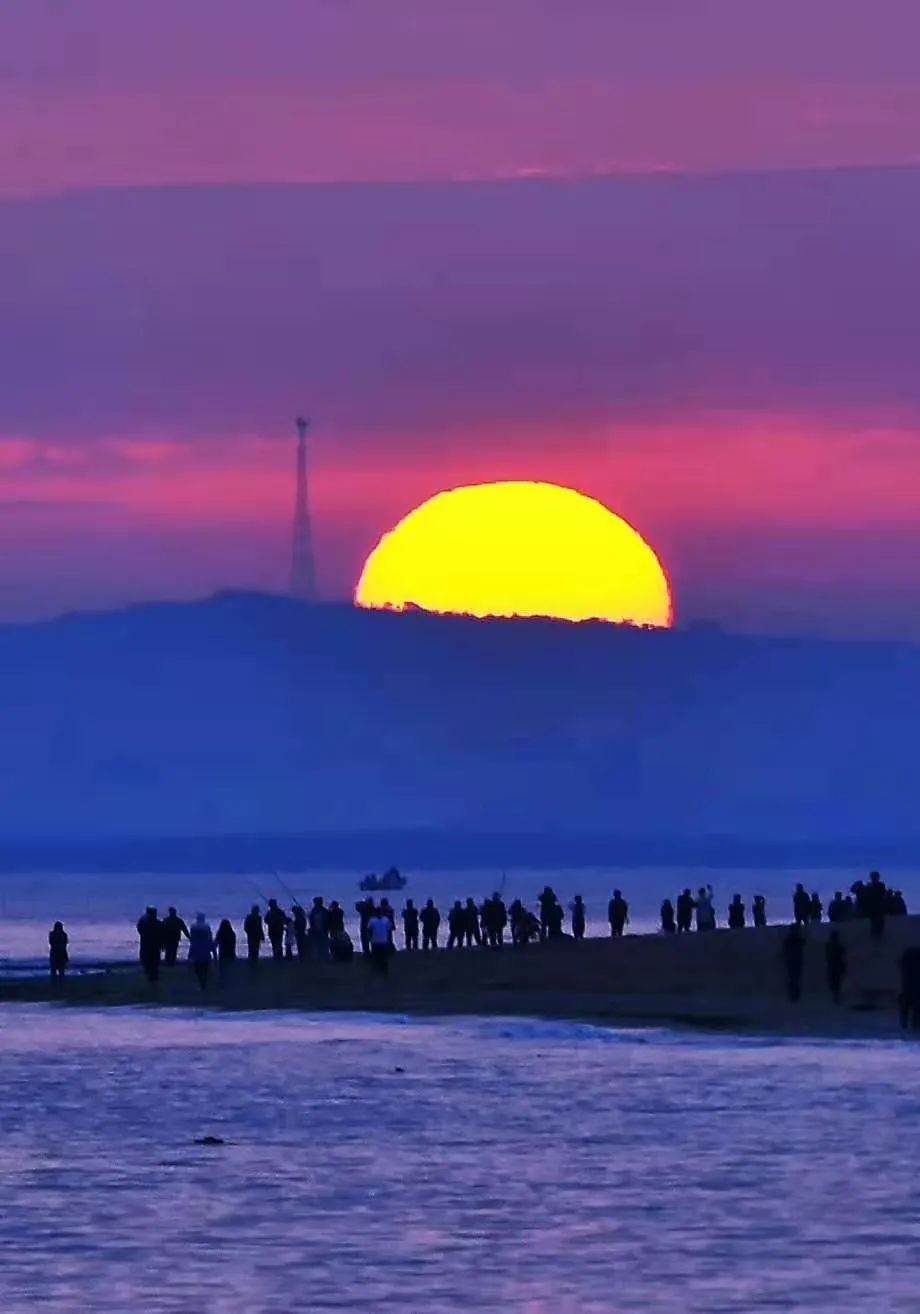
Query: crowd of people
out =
(320, 932)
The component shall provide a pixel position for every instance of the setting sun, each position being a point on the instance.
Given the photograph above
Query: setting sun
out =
(517, 549)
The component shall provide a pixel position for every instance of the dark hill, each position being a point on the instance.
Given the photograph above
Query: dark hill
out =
(253, 716)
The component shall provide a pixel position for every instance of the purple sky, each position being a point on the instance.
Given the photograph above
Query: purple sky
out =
(666, 252)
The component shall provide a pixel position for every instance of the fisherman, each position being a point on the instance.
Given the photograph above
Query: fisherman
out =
(254, 933)
(617, 914)
(150, 935)
(500, 915)
(340, 945)
(668, 924)
(365, 910)
(201, 949)
(801, 905)
(760, 910)
(705, 909)
(431, 921)
(685, 906)
(909, 998)
(486, 930)
(410, 926)
(516, 916)
(225, 940)
(299, 921)
(835, 956)
(793, 961)
(815, 908)
(546, 899)
(471, 931)
(58, 957)
(318, 934)
(456, 924)
(380, 930)
(736, 914)
(579, 918)
(173, 928)
(289, 940)
(275, 921)
(388, 911)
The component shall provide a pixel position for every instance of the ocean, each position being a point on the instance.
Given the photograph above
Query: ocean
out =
(428, 1166)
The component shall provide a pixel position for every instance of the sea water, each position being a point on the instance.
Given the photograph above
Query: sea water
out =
(100, 911)
(480, 1165)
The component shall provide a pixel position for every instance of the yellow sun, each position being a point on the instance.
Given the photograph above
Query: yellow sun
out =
(517, 549)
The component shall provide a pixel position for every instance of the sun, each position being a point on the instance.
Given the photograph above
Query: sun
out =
(517, 549)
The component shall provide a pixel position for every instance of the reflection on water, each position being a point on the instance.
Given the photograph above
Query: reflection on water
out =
(509, 1166)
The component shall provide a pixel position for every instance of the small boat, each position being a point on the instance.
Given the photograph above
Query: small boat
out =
(390, 880)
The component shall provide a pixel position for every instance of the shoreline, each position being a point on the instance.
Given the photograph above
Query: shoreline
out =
(720, 982)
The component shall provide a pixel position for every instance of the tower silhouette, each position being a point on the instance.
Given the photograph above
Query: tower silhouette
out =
(303, 574)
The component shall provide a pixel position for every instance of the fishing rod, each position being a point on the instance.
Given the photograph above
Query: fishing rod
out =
(261, 893)
(290, 893)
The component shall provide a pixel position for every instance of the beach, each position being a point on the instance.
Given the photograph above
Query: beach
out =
(721, 980)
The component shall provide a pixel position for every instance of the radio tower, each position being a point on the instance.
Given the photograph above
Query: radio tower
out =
(303, 575)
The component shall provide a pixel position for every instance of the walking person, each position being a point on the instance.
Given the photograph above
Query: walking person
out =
(173, 930)
(201, 949)
(255, 935)
(835, 955)
(58, 957)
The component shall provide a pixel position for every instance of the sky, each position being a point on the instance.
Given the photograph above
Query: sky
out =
(665, 253)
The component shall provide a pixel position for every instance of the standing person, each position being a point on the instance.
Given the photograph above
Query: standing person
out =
(225, 940)
(801, 905)
(299, 919)
(58, 957)
(760, 910)
(173, 930)
(318, 923)
(150, 936)
(579, 918)
(201, 949)
(365, 910)
(556, 918)
(685, 906)
(410, 926)
(471, 931)
(336, 919)
(835, 956)
(456, 921)
(275, 922)
(617, 914)
(254, 933)
(815, 908)
(736, 914)
(875, 897)
(289, 940)
(794, 961)
(380, 931)
(431, 921)
(546, 899)
(705, 909)
(668, 923)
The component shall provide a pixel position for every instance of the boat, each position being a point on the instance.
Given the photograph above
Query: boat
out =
(390, 880)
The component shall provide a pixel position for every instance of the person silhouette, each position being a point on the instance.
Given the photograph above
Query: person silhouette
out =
(668, 924)
(617, 914)
(685, 907)
(150, 937)
(254, 933)
(760, 910)
(410, 925)
(579, 919)
(736, 914)
(58, 956)
(431, 921)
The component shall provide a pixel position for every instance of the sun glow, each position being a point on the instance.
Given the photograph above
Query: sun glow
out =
(517, 549)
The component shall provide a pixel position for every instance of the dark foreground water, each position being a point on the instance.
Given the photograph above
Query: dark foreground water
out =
(509, 1166)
